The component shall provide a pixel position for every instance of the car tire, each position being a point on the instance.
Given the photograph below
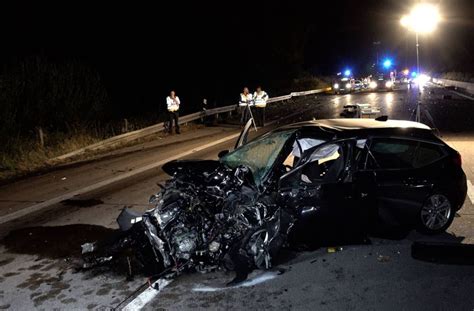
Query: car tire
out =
(436, 214)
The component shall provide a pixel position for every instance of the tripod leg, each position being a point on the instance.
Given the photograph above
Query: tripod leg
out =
(253, 119)
(431, 120)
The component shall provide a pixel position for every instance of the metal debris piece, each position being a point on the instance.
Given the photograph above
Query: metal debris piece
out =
(382, 258)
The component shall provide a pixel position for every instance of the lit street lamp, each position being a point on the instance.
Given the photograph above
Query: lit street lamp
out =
(423, 19)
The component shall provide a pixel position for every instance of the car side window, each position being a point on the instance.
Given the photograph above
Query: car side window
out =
(391, 153)
(427, 153)
(326, 165)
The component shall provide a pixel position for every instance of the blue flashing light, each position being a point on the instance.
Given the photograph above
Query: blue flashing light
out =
(347, 72)
(414, 74)
(387, 63)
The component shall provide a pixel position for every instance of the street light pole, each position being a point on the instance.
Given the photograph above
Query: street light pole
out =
(423, 19)
(417, 54)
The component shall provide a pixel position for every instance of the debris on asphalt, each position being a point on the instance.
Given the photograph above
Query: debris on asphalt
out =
(454, 253)
(382, 258)
(334, 249)
(252, 281)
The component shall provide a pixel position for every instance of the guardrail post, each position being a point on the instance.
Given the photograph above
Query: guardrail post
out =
(125, 126)
(40, 136)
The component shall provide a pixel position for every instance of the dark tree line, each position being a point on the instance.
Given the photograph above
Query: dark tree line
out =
(54, 96)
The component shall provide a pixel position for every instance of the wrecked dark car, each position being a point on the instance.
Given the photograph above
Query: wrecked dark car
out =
(282, 188)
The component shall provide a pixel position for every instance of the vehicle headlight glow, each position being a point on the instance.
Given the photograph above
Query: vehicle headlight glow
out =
(388, 84)
(422, 79)
(336, 86)
(348, 86)
(373, 85)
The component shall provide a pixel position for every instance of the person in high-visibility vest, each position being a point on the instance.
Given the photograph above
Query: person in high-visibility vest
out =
(260, 97)
(172, 104)
(245, 104)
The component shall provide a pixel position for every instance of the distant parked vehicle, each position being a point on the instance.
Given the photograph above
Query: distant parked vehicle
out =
(381, 83)
(343, 85)
(358, 85)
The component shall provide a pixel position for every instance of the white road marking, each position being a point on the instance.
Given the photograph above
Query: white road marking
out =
(146, 296)
(462, 95)
(257, 280)
(470, 191)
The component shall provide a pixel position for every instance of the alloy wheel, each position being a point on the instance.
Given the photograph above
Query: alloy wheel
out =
(436, 212)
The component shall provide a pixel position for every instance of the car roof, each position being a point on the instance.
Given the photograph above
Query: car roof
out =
(344, 128)
(359, 124)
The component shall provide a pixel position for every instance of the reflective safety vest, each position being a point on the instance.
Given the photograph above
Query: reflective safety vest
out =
(260, 99)
(172, 103)
(246, 100)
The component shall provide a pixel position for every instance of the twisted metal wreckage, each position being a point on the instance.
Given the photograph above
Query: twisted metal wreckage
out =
(207, 216)
(204, 217)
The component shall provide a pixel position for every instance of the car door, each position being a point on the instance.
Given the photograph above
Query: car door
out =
(242, 140)
(401, 187)
(322, 192)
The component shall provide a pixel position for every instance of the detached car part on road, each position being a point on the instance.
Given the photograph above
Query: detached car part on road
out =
(297, 183)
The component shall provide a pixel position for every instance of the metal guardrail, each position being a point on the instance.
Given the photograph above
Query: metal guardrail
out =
(463, 86)
(130, 136)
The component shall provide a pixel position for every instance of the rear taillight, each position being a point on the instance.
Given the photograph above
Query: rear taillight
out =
(457, 159)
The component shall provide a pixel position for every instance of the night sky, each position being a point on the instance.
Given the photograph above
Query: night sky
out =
(211, 49)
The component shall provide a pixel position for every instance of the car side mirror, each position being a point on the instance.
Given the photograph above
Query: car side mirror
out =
(222, 153)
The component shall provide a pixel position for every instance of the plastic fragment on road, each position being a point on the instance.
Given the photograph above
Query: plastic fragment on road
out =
(334, 249)
(382, 258)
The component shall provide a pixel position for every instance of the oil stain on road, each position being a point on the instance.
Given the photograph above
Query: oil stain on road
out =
(54, 242)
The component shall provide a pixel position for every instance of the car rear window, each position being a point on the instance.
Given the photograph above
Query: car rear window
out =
(427, 153)
(392, 153)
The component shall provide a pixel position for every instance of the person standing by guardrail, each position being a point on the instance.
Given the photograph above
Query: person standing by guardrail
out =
(245, 104)
(260, 97)
(172, 103)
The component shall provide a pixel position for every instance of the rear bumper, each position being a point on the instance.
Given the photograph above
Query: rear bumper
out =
(462, 192)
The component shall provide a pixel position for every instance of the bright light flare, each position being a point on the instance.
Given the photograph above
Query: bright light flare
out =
(405, 21)
(389, 98)
(422, 79)
(423, 18)
(373, 85)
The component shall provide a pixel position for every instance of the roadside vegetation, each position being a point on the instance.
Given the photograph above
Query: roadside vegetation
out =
(48, 109)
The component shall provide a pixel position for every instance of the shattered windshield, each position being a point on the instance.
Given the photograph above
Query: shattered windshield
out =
(258, 155)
